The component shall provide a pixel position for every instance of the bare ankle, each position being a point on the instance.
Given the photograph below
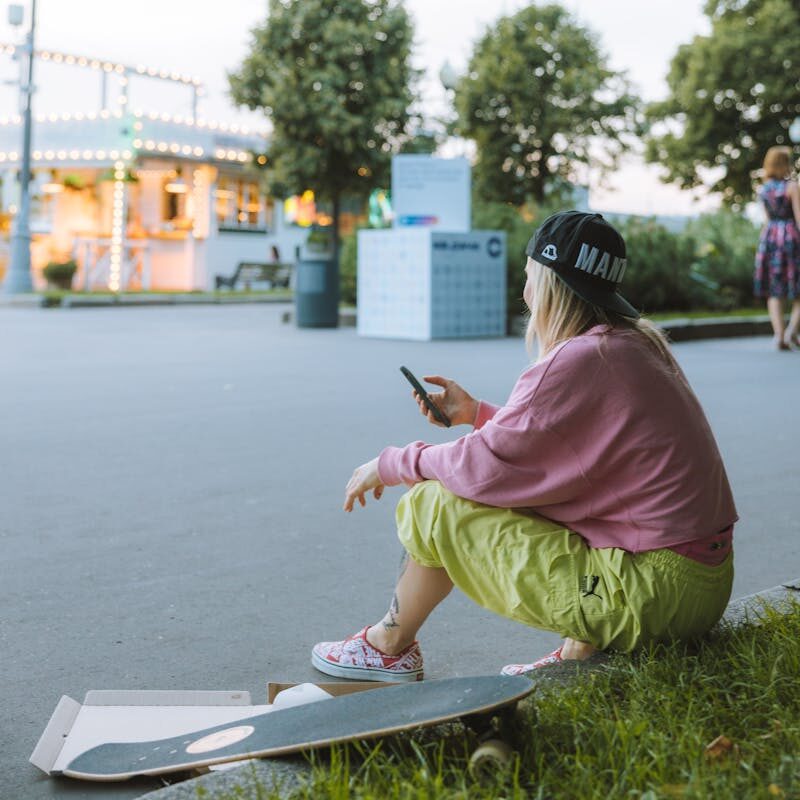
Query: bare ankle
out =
(390, 641)
(573, 650)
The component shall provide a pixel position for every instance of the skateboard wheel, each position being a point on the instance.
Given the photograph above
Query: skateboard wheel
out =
(491, 756)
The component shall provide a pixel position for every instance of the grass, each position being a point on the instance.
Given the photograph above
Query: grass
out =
(639, 728)
(54, 297)
(664, 316)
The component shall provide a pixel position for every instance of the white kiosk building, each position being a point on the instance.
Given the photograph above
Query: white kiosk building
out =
(141, 200)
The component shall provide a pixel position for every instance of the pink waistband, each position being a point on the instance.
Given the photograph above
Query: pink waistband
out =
(711, 551)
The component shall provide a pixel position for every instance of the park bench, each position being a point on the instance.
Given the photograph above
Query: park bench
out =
(247, 273)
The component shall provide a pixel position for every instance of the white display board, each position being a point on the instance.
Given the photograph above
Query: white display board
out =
(425, 284)
(431, 192)
(468, 284)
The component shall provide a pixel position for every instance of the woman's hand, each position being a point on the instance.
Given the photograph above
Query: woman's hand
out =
(364, 478)
(459, 406)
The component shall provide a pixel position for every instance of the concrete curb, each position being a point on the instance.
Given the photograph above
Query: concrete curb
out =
(20, 300)
(289, 774)
(751, 608)
(243, 780)
(167, 300)
(678, 330)
(685, 330)
(688, 329)
(105, 301)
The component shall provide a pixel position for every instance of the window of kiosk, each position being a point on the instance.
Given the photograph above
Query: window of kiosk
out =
(174, 206)
(240, 206)
(44, 189)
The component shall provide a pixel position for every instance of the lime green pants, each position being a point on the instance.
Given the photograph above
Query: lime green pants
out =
(543, 575)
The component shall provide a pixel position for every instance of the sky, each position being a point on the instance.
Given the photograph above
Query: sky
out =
(208, 40)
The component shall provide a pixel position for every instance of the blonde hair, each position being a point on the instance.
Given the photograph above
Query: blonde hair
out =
(778, 162)
(558, 314)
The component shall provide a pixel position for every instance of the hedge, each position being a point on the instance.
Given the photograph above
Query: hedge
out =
(708, 265)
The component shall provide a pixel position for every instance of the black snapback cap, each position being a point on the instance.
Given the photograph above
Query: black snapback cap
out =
(588, 254)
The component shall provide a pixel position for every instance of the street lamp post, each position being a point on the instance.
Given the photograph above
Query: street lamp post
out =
(18, 280)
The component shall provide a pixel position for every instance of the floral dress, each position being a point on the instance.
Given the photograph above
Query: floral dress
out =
(777, 268)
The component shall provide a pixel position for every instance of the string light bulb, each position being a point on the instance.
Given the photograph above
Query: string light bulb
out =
(117, 228)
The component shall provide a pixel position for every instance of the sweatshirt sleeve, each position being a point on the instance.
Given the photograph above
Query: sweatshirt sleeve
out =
(485, 412)
(512, 461)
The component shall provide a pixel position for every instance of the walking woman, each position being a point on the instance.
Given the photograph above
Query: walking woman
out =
(777, 268)
(594, 503)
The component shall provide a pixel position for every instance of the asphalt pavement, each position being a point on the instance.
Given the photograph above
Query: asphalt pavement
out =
(172, 482)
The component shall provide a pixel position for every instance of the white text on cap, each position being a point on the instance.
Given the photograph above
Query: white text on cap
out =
(586, 262)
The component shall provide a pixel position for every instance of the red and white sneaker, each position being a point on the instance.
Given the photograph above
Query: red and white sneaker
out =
(545, 661)
(357, 659)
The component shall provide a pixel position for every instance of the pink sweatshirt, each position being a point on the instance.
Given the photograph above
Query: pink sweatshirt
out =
(601, 436)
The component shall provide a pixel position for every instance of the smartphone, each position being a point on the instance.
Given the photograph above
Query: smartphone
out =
(438, 414)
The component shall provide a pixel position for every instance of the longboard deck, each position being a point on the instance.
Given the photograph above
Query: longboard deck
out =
(365, 715)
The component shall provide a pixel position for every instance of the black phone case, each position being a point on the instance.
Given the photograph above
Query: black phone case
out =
(420, 390)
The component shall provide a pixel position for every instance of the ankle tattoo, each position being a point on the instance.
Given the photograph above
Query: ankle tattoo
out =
(390, 620)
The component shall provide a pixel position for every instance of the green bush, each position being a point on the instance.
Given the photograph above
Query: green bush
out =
(708, 265)
(659, 265)
(60, 273)
(725, 250)
(505, 217)
(52, 298)
(319, 240)
(348, 253)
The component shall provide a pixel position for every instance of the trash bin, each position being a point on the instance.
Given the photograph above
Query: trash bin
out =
(316, 292)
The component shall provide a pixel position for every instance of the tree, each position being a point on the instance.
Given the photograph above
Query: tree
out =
(334, 78)
(732, 94)
(536, 94)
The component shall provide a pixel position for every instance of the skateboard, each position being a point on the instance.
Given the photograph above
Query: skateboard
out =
(364, 715)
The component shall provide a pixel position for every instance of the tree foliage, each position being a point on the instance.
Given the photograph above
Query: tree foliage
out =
(536, 93)
(334, 78)
(732, 94)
